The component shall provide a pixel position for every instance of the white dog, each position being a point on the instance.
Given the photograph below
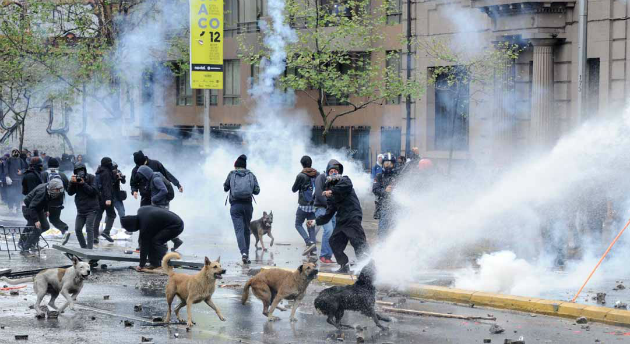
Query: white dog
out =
(55, 281)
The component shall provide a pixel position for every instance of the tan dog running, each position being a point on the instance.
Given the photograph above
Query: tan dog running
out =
(56, 281)
(191, 289)
(273, 285)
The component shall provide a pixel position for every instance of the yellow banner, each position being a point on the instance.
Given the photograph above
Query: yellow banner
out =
(206, 44)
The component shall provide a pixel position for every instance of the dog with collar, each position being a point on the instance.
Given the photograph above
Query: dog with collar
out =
(57, 281)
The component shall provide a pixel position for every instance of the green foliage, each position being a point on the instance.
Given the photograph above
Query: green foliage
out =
(339, 52)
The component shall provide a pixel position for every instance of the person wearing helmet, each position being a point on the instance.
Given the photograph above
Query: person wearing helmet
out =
(382, 189)
(36, 205)
(83, 187)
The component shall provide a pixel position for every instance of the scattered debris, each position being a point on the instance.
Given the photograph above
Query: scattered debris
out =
(106, 297)
(520, 340)
(427, 313)
(586, 328)
(341, 337)
(128, 252)
(21, 337)
(146, 340)
(496, 329)
(487, 341)
(598, 341)
(137, 307)
(472, 305)
(1, 327)
(581, 320)
(533, 315)
(103, 266)
(490, 315)
(93, 318)
(360, 334)
(128, 323)
(40, 316)
(52, 314)
(619, 287)
(14, 293)
(176, 335)
(230, 286)
(620, 305)
(158, 319)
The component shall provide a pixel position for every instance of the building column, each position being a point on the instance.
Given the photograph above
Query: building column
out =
(543, 127)
(503, 115)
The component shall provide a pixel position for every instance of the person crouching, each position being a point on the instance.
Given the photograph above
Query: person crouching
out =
(157, 226)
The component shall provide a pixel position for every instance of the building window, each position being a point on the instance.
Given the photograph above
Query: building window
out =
(249, 13)
(361, 145)
(451, 111)
(394, 63)
(184, 92)
(358, 62)
(337, 138)
(394, 12)
(592, 87)
(230, 18)
(255, 75)
(391, 140)
(232, 82)
(199, 97)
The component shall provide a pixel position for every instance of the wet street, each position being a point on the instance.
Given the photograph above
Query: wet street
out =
(101, 319)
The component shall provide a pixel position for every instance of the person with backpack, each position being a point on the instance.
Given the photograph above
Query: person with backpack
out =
(382, 189)
(137, 188)
(56, 205)
(304, 185)
(242, 185)
(105, 186)
(83, 187)
(36, 205)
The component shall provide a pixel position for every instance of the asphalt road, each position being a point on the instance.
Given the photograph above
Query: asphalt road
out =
(97, 320)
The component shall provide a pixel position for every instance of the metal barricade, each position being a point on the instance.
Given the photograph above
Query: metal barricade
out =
(11, 236)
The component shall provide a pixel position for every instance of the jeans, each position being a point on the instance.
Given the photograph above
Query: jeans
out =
(326, 251)
(241, 217)
(300, 216)
(86, 220)
(120, 208)
(384, 226)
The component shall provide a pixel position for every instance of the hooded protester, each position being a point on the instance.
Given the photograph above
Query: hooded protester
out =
(119, 195)
(45, 159)
(343, 201)
(242, 185)
(159, 189)
(136, 187)
(56, 205)
(3, 178)
(14, 170)
(382, 189)
(105, 185)
(33, 176)
(83, 187)
(157, 226)
(326, 253)
(66, 163)
(304, 185)
(378, 167)
(36, 205)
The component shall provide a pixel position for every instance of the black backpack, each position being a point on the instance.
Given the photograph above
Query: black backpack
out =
(169, 187)
(308, 191)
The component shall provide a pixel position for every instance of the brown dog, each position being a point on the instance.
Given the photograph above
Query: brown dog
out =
(273, 285)
(191, 289)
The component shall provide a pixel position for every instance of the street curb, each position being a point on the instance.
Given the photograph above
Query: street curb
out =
(556, 308)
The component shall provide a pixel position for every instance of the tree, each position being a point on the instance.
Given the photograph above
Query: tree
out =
(338, 57)
(463, 70)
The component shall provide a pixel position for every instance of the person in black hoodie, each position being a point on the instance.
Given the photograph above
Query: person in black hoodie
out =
(157, 226)
(57, 205)
(382, 189)
(343, 201)
(242, 185)
(137, 187)
(33, 176)
(304, 185)
(105, 186)
(14, 172)
(83, 187)
(36, 206)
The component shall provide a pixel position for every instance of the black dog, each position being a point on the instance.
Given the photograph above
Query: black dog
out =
(361, 297)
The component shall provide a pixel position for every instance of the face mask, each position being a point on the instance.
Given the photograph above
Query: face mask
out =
(55, 193)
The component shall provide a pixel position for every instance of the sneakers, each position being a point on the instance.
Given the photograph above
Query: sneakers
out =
(96, 241)
(246, 260)
(326, 260)
(107, 237)
(309, 249)
(66, 238)
(176, 243)
(344, 269)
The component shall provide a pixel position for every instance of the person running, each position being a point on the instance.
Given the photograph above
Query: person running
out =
(83, 187)
(304, 185)
(105, 186)
(242, 185)
(343, 201)
(157, 226)
(36, 206)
